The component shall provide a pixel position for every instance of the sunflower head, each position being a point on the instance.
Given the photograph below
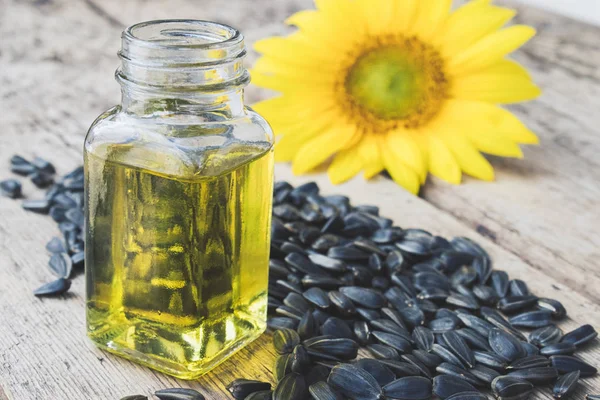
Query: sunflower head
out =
(403, 85)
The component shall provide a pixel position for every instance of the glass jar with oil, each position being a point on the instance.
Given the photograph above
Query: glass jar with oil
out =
(178, 202)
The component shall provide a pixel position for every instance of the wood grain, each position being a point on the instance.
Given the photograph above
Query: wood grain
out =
(540, 220)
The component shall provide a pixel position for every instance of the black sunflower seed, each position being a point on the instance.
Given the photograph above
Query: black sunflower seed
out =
(282, 366)
(518, 287)
(495, 318)
(445, 386)
(413, 316)
(468, 246)
(291, 387)
(555, 306)
(342, 303)
(297, 302)
(383, 352)
(505, 345)
(531, 319)
(38, 206)
(394, 316)
(318, 297)
(459, 347)
(484, 373)
(368, 246)
(289, 312)
(10, 188)
(483, 268)
(592, 397)
(465, 275)
(322, 391)
(387, 235)
(566, 384)
(423, 338)
(56, 245)
(308, 327)
(511, 387)
(499, 281)
(580, 336)
(468, 396)
(489, 359)
(458, 372)
(178, 394)
(404, 286)
(546, 335)
(485, 294)
(282, 322)
(347, 253)
(415, 362)
(401, 368)
(409, 388)
(430, 360)
(434, 294)
(300, 360)
(43, 165)
(326, 241)
(377, 369)
(395, 261)
(416, 246)
(368, 314)
(302, 263)
(55, 288)
(362, 332)
(354, 382)
(530, 349)
(260, 395)
(345, 349)
(380, 283)
(365, 297)
(336, 327)
(558, 349)
(534, 361)
(324, 282)
(330, 264)
(428, 280)
(480, 326)
(446, 354)
(240, 388)
(394, 341)
(474, 339)
(566, 364)
(511, 304)
(61, 265)
(41, 179)
(309, 235)
(135, 397)
(537, 375)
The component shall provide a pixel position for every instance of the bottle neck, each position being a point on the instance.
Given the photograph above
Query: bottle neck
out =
(182, 67)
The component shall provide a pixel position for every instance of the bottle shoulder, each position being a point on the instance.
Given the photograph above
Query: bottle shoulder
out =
(178, 145)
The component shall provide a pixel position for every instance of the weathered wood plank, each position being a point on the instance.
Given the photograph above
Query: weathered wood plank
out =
(57, 58)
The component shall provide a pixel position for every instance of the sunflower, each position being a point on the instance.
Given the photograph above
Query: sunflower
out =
(406, 86)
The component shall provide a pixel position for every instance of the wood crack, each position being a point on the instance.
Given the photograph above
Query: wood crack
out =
(96, 9)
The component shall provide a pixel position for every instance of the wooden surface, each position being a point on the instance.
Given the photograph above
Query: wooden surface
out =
(540, 221)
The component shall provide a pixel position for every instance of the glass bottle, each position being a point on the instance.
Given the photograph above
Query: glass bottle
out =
(179, 184)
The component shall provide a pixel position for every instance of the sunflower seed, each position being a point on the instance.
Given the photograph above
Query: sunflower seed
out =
(260, 395)
(537, 375)
(485, 294)
(395, 317)
(495, 318)
(378, 370)
(430, 360)
(413, 316)
(534, 361)
(337, 328)
(592, 397)
(394, 341)
(530, 350)
(499, 281)
(423, 338)
(395, 261)
(445, 386)
(308, 327)
(362, 332)
(531, 319)
(518, 288)
(289, 312)
(409, 388)
(347, 254)
(365, 297)
(484, 373)
(330, 264)
(459, 347)
(296, 302)
(322, 391)
(324, 282)
(135, 397)
(43, 165)
(444, 352)
(505, 345)
(281, 323)
(515, 303)
(300, 360)
(558, 349)
(291, 387)
(428, 280)
(566, 364)
(474, 339)
(468, 396)
(490, 360)
(318, 297)
(465, 275)
(178, 394)
(480, 326)
(401, 368)
(404, 286)
(383, 352)
(354, 382)
(302, 263)
(240, 388)
(316, 373)
(433, 294)
(342, 303)
(511, 387)
(566, 384)
(368, 314)
(41, 179)
(10, 188)
(458, 372)
(483, 268)
(546, 335)
(56, 245)
(282, 366)
(345, 349)
(555, 306)
(38, 206)
(55, 288)
(580, 336)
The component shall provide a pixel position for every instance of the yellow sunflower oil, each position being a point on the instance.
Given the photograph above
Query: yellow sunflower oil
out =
(177, 267)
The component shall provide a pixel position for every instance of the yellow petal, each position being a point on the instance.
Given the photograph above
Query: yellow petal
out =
(406, 149)
(401, 173)
(371, 158)
(469, 159)
(477, 117)
(441, 161)
(491, 49)
(430, 17)
(494, 88)
(469, 24)
(495, 145)
(377, 14)
(316, 151)
(502, 67)
(345, 165)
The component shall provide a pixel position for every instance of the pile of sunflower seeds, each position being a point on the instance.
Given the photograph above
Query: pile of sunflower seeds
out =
(361, 309)
(64, 203)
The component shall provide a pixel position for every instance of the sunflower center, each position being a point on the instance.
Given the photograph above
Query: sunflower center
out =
(394, 81)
